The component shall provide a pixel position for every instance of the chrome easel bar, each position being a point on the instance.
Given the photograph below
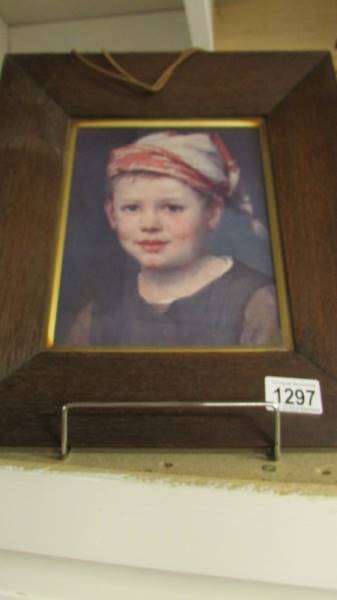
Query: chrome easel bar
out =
(118, 405)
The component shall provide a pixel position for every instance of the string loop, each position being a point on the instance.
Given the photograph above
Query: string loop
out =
(123, 76)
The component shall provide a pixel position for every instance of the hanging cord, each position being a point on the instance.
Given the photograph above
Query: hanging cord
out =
(124, 76)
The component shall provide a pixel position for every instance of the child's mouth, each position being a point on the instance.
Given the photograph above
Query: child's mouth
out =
(152, 245)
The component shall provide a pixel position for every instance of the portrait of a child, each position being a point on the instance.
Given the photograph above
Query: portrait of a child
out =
(166, 194)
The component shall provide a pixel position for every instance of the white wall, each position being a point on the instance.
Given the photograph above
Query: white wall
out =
(206, 530)
(37, 577)
(200, 22)
(141, 32)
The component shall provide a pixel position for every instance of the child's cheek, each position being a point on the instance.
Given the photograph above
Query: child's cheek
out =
(186, 233)
(124, 232)
(123, 236)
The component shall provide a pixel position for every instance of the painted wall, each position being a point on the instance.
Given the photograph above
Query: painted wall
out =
(167, 527)
(32, 577)
(153, 31)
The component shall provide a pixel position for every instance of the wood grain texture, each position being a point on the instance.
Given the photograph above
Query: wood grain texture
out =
(33, 397)
(304, 153)
(280, 25)
(206, 85)
(31, 161)
(39, 96)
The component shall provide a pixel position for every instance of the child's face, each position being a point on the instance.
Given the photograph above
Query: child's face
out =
(161, 221)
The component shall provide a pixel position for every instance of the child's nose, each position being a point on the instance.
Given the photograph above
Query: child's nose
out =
(150, 220)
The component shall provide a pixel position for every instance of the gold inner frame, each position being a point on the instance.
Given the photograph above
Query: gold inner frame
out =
(282, 296)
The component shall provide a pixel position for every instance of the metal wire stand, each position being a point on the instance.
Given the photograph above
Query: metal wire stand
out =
(274, 407)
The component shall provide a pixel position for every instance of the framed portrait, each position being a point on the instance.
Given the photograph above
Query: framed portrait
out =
(201, 266)
(178, 247)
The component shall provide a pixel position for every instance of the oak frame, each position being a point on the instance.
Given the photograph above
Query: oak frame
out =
(39, 96)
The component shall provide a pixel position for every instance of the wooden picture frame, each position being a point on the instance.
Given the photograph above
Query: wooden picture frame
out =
(40, 96)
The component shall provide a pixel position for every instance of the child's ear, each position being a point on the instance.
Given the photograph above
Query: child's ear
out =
(110, 213)
(215, 211)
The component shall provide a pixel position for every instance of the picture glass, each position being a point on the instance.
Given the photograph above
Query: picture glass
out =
(168, 239)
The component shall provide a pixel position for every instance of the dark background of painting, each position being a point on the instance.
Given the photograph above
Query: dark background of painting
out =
(94, 265)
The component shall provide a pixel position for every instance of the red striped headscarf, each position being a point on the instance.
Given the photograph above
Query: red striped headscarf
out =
(201, 160)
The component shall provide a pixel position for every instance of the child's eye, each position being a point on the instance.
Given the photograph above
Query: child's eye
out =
(130, 208)
(174, 208)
